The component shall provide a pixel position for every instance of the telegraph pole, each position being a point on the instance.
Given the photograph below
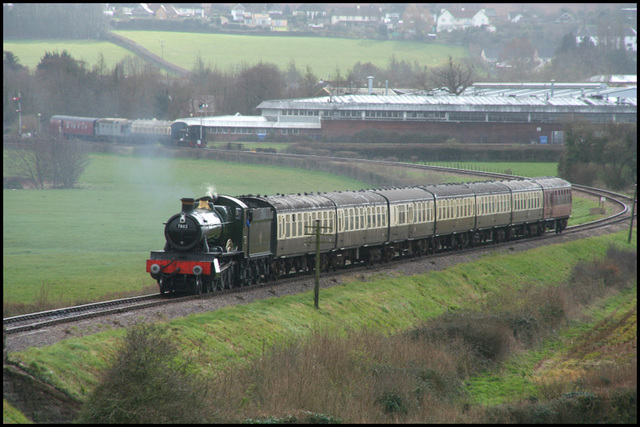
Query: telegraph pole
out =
(316, 286)
(19, 111)
(316, 232)
(633, 208)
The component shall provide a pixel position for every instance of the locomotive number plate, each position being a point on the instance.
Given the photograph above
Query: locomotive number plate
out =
(183, 226)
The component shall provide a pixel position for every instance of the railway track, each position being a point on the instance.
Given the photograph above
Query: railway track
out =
(33, 321)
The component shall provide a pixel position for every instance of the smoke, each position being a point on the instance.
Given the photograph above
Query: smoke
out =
(210, 190)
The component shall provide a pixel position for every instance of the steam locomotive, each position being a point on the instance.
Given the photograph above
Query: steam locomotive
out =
(226, 242)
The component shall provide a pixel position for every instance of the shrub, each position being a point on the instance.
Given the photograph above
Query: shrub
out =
(147, 383)
(392, 403)
(487, 338)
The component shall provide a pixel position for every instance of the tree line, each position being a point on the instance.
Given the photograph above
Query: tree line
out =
(597, 153)
(134, 89)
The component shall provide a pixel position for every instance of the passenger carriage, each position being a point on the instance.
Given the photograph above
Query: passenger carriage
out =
(492, 209)
(526, 208)
(454, 213)
(81, 127)
(361, 224)
(557, 199)
(411, 219)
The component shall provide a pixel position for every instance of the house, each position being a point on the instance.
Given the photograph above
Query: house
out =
(108, 10)
(357, 15)
(164, 11)
(628, 42)
(517, 16)
(237, 12)
(587, 35)
(450, 20)
(565, 18)
(631, 39)
(142, 10)
(311, 11)
(189, 9)
(278, 22)
(259, 15)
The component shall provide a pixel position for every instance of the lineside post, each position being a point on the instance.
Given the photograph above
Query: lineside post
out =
(316, 286)
(633, 208)
(316, 231)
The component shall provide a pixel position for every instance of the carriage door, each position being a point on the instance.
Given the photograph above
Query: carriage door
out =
(340, 228)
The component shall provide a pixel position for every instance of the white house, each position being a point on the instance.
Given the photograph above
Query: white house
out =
(628, 42)
(450, 20)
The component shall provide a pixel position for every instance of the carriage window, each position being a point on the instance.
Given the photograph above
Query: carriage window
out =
(351, 219)
(287, 221)
(331, 221)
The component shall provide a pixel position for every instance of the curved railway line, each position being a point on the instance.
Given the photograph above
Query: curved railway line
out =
(32, 321)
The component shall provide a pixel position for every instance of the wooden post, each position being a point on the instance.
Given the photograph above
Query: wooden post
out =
(316, 287)
(314, 230)
(633, 208)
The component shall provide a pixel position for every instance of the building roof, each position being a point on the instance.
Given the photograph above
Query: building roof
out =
(543, 90)
(419, 103)
(239, 120)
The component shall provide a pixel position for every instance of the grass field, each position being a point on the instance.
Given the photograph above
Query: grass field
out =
(323, 55)
(81, 244)
(71, 246)
(30, 52)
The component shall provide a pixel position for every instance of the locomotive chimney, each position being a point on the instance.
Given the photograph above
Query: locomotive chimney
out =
(187, 204)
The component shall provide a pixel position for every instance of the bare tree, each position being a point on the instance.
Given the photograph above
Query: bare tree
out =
(454, 76)
(48, 162)
(30, 161)
(68, 161)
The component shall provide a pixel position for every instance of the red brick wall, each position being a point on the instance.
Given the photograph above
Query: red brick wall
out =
(471, 132)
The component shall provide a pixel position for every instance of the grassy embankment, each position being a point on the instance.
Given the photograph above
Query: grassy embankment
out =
(540, 287)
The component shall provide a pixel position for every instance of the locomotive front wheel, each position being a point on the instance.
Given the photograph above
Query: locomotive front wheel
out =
(161, 286)
(198, 285)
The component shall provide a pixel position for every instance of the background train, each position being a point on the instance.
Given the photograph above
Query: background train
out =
(121, 130)
(226, 242)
